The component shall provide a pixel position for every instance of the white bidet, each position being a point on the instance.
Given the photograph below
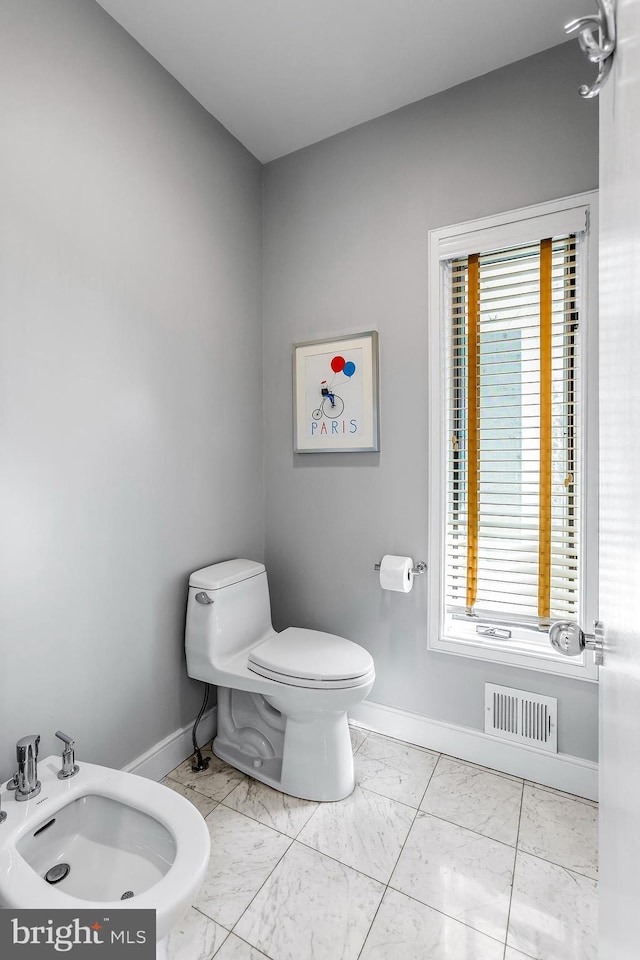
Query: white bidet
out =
(102, 838)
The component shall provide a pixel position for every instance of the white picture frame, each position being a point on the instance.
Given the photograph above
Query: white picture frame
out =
(335, 395)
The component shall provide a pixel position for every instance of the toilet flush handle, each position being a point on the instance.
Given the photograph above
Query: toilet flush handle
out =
(203, 597)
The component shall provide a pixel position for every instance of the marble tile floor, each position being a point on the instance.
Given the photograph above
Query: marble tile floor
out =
(430, 858)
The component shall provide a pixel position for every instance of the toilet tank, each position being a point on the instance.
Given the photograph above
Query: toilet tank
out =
(238, 618)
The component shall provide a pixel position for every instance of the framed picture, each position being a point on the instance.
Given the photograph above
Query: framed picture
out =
(335, 395)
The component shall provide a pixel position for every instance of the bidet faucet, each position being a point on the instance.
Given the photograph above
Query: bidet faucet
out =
(69, 767)
(27, 775)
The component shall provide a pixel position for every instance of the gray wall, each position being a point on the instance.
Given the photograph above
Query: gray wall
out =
(345, 249)
(130, 378)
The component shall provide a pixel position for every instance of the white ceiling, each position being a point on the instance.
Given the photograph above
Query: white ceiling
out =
(281, 74)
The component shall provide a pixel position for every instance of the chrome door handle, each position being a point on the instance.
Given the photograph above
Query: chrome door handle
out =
(568, 638)
(203, 597)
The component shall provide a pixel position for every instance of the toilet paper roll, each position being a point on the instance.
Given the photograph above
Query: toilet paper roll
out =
(395, 573)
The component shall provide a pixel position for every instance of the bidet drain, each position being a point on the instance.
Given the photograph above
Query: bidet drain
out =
(126, 895)
(57, 872)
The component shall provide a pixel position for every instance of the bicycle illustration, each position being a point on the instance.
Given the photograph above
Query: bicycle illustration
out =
(332, 405)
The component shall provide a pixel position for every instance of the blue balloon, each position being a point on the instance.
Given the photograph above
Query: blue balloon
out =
(349, 368)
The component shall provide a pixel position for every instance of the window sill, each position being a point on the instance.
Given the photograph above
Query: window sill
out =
(528, 655)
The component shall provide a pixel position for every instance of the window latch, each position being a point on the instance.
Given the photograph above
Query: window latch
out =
(499, 633)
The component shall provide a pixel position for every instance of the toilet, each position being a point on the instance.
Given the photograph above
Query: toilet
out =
(103, 840)
(282, 697)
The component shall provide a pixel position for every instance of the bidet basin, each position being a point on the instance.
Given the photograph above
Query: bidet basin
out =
(111, 850)
(101, 835)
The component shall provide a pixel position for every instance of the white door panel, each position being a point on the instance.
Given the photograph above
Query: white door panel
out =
(620, 494)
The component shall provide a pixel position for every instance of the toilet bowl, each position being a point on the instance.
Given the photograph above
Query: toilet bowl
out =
(104, 839)
(282, 697)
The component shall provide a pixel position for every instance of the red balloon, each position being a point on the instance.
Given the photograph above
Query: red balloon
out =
(337, 364)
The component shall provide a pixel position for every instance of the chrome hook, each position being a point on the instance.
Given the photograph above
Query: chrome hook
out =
(598, 50)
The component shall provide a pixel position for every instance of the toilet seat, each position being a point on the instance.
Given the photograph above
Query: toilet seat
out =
(310, 658)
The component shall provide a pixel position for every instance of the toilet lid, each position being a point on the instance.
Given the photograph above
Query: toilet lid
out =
(218, 575)
(311, 656)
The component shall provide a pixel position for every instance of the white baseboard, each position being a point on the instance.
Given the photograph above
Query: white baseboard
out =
(157, 762)
(559, 770)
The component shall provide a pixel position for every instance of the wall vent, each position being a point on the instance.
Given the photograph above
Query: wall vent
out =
(521, 716)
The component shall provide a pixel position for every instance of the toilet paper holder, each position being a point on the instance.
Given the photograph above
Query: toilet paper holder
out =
(416, 570)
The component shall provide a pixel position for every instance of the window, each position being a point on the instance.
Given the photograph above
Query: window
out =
(512, 511)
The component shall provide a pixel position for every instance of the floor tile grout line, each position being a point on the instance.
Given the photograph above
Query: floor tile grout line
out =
(266, 879)
(523, 953)
(217, 922)
(435, 767)
(403, 744)
(554, 863)
(362, 742)
(302, 844)
(483, 768)
(393, 869)
(373, 920)
(250, 945)
(447, 915)
(424, 813)
(386, 885)
(269, 826)
(527, 956)
(376, 793)
(585, 801)
(380, 749)
(513, 875)
(520, 849)
(362, 873)
(234, 787)
(384, 796)
(386, 736)
(323, 853)
(308, 846)
(194, 789)
(400, 774)
(428, 751)
(220, 946)
(244, 776)
(454, 823)
(320, 805)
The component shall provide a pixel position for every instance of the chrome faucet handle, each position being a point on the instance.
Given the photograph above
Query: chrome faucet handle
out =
(69, 768)
(65, 738)
(28, 785)
(27, 747)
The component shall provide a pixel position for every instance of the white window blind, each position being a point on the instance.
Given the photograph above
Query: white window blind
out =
(513, 490)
